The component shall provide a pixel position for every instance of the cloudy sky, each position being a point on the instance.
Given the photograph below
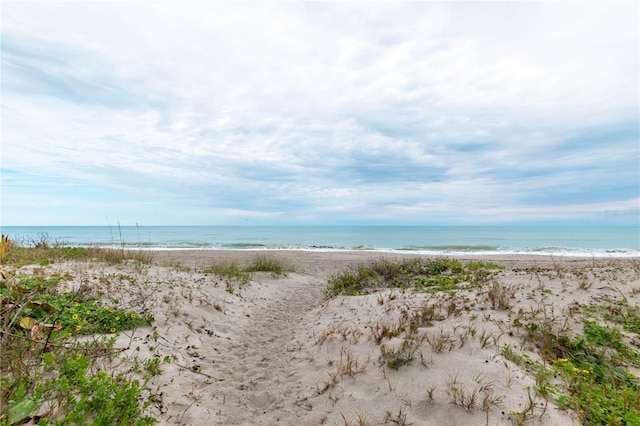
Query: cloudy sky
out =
(216, 113)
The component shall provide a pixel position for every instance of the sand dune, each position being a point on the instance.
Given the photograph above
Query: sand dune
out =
(277, 350)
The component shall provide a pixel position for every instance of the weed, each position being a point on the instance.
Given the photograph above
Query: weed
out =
(596, 384)
(423, 274)
(229, 270)
(399, 419)
(396, 358)
(380, 330)
(349, 365)
(43, 251)
(441, 341)
(430, 391)
(274, 265)
(459, 394)
(45, 368)
(359, 420)
(501, 296)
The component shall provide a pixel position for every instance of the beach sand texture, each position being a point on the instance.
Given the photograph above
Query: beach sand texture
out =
(277, 350)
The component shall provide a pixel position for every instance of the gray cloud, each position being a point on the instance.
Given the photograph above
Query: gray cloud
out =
(325, 111)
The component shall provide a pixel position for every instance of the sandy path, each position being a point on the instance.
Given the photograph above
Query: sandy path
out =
(263, 362)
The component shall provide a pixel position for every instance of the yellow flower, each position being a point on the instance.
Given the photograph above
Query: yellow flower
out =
(75, 316)
(77, 304)
(631, 373)
(78, 327)
(117, 318)
(88, 312)
(112, 310)
(133, 316)
(626, 313)
(113, 330)
(585, 371)
(125, 314)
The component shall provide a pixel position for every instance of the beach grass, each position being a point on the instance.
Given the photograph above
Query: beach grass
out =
(231, 269)
(228, 269)
(44, 251)
(422, 274)
(268, 263)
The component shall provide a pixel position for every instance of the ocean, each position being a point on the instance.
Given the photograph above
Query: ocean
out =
(437, 240)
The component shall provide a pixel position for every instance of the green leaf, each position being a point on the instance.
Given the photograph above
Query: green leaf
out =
(21, 411)
(41, 305)
(28, 323)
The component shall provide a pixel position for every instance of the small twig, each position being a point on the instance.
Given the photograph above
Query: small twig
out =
(184, 367)
(55, 321)
(185, 410)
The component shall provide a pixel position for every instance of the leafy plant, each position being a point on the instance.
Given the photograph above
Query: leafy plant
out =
(594, 367)
(45, 369)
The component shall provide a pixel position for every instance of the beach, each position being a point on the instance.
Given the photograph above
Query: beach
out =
(284, 350)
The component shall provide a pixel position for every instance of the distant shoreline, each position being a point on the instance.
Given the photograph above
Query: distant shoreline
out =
(595, 241)
(578, 254)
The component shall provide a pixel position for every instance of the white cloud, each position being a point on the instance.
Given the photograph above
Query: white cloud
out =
(309, 108)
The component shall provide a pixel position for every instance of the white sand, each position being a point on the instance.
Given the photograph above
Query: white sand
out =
(277, 351)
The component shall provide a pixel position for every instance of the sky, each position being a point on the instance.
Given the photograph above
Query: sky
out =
(319, 113)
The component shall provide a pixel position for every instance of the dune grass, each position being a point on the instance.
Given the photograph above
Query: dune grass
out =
(42, 250)
(272, 264)
(242, 274)
(424, 274)
(230, 270)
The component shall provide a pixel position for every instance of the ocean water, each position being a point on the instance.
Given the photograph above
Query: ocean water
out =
(556, 240)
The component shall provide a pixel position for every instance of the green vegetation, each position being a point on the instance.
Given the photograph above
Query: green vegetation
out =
(590, 373)
(274, 265)
(261, 263)
(42, 251)
(423, 274)
(396, 358)
(36, 300)
(56, 344)
(230, 270)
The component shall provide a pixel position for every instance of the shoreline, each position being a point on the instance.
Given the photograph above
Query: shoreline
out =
(579, 254)
(565, 241)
